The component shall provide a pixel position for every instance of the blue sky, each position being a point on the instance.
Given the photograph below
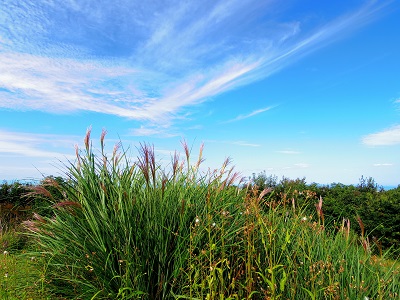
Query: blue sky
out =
(295, 88)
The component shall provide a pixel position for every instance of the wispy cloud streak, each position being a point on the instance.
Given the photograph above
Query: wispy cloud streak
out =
(252, 114)
(387, 137)
(56, 57)
(288, 152)
(33, 145)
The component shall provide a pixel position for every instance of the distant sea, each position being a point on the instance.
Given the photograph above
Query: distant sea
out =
(389, 187)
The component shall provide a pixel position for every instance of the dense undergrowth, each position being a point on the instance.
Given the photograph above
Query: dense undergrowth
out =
(116, 229)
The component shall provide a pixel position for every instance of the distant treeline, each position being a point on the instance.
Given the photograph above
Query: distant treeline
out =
(369, 208)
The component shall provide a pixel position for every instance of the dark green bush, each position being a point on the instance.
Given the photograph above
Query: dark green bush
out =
(377, 210)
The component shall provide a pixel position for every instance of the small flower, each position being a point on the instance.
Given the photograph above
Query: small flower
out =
(304, 219)
(5, 252)
(89, 268)
(6, 275)
(197, 220)
(213, 224)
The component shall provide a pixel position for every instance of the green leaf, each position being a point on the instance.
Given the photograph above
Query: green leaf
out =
(309, 293)
(283, 281)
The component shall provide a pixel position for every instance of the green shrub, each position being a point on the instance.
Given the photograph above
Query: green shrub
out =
(13, 193)
(379, 210)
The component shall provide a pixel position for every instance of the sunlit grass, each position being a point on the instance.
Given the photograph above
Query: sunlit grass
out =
(21, 278)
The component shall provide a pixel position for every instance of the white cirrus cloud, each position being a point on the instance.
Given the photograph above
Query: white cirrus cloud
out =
(387, 137)
(149, 61)
(297, 166)
(34, 145)
(153, 131)
(245, 144)
(236, 143)
(302, 165)
(249, 115)
(288, 152)
(383, 165)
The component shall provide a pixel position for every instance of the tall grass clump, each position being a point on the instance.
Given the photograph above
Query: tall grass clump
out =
(125, 230)
(134, 230)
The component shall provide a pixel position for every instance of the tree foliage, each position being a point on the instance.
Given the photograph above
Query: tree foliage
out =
(378, 209)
